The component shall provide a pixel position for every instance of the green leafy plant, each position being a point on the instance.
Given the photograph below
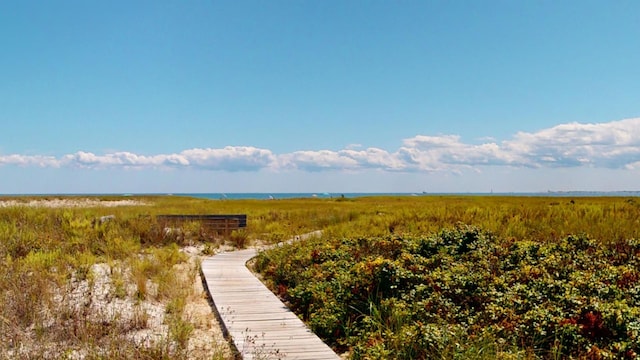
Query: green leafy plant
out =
(411, 297)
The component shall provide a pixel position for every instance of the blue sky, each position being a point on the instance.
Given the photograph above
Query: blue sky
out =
(315, 96)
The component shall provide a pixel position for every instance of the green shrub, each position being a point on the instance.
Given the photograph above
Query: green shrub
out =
(463, 293)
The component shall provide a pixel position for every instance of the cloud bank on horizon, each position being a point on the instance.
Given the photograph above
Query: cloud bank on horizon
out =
(610, 145)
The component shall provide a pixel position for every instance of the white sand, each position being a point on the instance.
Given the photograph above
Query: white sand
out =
(69, 203)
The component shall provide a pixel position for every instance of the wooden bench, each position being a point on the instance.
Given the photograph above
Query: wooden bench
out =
(219, 223)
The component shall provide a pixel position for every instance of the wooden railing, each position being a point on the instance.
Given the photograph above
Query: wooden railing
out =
(219, 223)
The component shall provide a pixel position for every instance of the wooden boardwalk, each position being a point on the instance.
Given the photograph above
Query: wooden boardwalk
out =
(259, 324)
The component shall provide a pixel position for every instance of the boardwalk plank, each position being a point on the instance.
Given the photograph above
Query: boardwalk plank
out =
(259, 324)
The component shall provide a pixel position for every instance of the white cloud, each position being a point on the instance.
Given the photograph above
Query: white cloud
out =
(423, 142)
(29, 160)
(374, 158)
(347, 159)
(444, 152)
(230, 158)
(609, 145)
(353, 146)
(612, 145)
(120, 159)
(316, 161)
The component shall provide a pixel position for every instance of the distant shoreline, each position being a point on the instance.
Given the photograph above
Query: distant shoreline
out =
(325, 195)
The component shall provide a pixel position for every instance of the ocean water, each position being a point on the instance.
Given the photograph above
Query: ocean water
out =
(326, 195)
(274, 196)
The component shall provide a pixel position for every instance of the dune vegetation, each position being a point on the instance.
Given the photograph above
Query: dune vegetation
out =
(469, 278)
(391, 277)
(101, 278)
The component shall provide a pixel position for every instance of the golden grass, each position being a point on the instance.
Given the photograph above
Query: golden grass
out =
(46, 253)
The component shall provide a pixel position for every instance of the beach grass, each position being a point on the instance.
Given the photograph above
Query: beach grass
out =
(91, 281)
